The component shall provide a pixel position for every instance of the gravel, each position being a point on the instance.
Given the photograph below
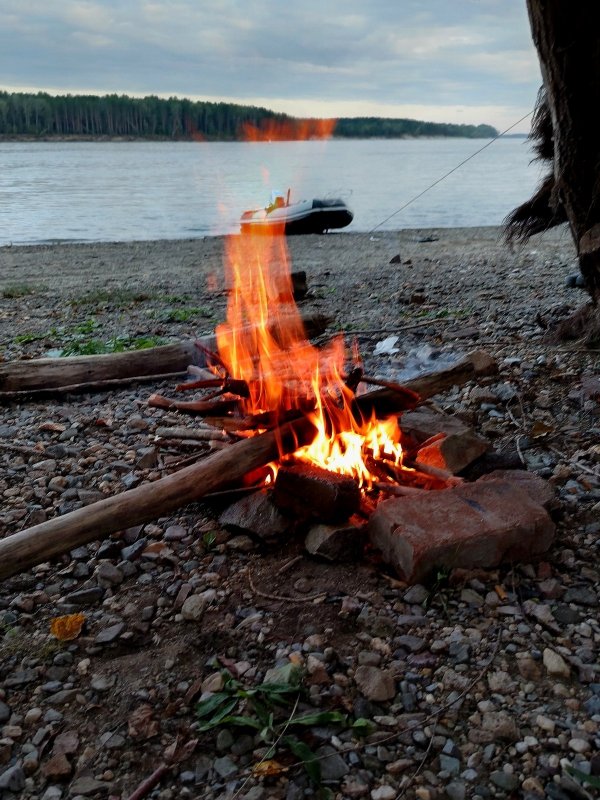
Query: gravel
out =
(475, 685)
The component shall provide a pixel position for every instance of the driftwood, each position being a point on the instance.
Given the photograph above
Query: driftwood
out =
(87, 373)
(23, 550)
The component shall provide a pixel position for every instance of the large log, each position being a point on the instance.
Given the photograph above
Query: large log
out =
(50, 373)
(86, 373)
(31, 546)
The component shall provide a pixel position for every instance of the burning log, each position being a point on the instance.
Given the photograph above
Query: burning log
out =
(23, 550)
(308, 491)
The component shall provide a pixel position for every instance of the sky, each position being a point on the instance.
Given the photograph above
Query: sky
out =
(462, 61)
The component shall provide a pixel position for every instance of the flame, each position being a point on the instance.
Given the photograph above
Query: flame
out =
(290, 129)
(263, 343)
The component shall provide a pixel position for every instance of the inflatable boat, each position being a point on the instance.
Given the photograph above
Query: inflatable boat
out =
(306, 216)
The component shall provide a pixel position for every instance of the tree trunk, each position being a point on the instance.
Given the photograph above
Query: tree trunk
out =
(568, 44)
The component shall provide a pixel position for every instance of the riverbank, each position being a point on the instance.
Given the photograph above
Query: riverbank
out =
(494, 674)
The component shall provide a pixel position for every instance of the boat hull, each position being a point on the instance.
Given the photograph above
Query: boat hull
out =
(316, 216)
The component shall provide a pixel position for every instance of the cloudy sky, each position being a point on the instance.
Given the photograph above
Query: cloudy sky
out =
(468, 61)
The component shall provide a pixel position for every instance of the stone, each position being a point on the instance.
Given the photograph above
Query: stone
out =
(470, 525)
(342, 542)
(384, 792)
(193, 608)
(110, 634)
(555, 664)
(256, 515)
(224, 766)
(308, 491)
(374, 683)
(88, 786)
(4, 712)
(455, 452)
(86, 597)
(333, 766)
(13, 779)
(57, 767)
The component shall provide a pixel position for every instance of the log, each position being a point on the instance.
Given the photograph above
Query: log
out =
(385, 400)
(31, 546)
(85, 373)
(81, 371)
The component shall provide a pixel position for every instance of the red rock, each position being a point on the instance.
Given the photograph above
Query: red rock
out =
(471, 525)
(57, 767)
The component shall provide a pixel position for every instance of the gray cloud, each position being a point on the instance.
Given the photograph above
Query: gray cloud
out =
(472, 54)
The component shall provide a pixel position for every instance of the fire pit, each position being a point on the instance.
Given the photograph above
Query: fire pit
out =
(294, 429)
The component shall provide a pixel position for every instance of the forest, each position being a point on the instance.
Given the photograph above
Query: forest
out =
(48, 116)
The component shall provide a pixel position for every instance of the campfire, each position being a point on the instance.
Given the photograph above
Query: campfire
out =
(289, 428)
(266, 372)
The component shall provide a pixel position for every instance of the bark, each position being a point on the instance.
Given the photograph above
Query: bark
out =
(568, 45)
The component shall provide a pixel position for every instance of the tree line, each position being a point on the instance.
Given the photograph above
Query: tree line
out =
(46, 116)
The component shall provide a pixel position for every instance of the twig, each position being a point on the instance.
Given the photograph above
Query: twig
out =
(289, 564)
(89, 386)
(420, 765)
(573, 461)
(282, 598)
(149, 783)
(436, 472)
(272, 749)
(422, 324)
(396, 489)
(519, 451)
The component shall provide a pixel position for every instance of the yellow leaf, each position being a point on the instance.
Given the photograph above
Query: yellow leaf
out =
(67, 627)
(501, 592)
(268, 768)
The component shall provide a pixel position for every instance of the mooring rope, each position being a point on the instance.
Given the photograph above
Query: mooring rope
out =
(439, 180)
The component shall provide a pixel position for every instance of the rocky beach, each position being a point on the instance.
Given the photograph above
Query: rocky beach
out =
(474, 684)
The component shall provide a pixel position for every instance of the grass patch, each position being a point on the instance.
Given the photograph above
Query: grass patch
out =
(16, 290)
(181, 314)
(116, 344)
(82, 340)
(121, 298)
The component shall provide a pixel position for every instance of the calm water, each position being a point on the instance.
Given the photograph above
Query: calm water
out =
(107, 191)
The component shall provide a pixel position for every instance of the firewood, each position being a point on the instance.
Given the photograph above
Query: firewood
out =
(82, 371)
(308, 491)
(203, 407)
(147, 502)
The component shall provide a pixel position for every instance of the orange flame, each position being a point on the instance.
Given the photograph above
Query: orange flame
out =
(289, 129)
(264, 344)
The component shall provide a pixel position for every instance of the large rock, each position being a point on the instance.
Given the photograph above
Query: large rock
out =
(255, 514)
(471, 525)
(342, 542)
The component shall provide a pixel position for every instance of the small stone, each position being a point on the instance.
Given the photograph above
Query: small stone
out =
(110, 634)
(224, 767)
(193, 608)
(384, 793)
(333, 766)
(579, 745)
(555, 664)
(4, 712)
(57, 767)
(374, 683)
(13, 779)
(504, 780)
(87, 786)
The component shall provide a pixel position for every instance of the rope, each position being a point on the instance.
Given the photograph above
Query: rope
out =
(439, 180)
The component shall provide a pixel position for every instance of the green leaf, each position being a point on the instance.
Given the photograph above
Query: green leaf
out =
(242, 722)
(591, 780)
(320, 718)
(363, 727)
(309, 760)
(219, 716)
(206, 707)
